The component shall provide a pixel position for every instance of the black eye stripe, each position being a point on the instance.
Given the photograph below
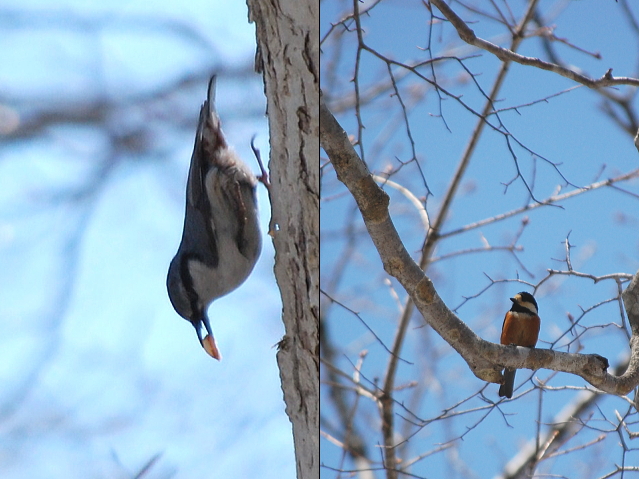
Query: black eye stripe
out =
(187, 281)
(520, 308)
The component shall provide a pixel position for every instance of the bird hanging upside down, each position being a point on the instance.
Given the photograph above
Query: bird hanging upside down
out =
(221, 240)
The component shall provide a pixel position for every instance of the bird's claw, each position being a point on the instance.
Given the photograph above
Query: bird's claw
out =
(264, 179)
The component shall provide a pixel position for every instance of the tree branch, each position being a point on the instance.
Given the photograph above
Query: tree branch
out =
(468, 35)
(485, 359)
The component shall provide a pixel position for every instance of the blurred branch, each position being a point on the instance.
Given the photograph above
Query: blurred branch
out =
(46, 19)
(565, 425)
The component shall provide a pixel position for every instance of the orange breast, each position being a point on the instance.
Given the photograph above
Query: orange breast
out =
(520, 329)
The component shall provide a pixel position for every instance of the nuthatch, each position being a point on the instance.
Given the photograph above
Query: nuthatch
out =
(221, 240)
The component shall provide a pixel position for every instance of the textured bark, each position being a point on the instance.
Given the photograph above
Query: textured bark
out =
(288, 57)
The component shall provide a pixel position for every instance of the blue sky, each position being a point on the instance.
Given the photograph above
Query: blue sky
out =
(569, 130)
(100, 374)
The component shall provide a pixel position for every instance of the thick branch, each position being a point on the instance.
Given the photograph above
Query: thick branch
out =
(631, 302)
(468, 35)
(485, 359)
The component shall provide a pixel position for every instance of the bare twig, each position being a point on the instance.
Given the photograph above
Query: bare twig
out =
(509, 55)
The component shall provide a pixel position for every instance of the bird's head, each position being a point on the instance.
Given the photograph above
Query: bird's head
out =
(190, 308)
(526, 301)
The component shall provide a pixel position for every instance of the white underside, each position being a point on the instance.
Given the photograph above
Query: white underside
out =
(233, 269)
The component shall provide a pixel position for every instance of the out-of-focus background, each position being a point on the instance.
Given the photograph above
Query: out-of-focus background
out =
(99, 377)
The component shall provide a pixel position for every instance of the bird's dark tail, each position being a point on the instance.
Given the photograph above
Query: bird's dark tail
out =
(209, 132)
(506, 389)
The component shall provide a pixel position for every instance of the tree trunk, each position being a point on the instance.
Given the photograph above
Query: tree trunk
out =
(288, 57)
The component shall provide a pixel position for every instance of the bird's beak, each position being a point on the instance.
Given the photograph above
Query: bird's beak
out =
(208, 343)
(513, 300)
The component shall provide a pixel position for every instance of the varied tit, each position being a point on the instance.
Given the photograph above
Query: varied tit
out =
(520, 328)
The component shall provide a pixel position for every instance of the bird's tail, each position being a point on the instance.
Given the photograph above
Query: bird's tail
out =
(209, 139)
(209, 105)
(506, 389)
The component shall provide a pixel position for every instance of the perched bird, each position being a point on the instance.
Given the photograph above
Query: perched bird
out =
(221, 240)
(520, 328)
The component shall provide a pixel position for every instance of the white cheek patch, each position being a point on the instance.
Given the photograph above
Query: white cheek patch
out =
(529, 306)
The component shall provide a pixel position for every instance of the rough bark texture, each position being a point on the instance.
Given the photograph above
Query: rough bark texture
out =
(288, 57)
